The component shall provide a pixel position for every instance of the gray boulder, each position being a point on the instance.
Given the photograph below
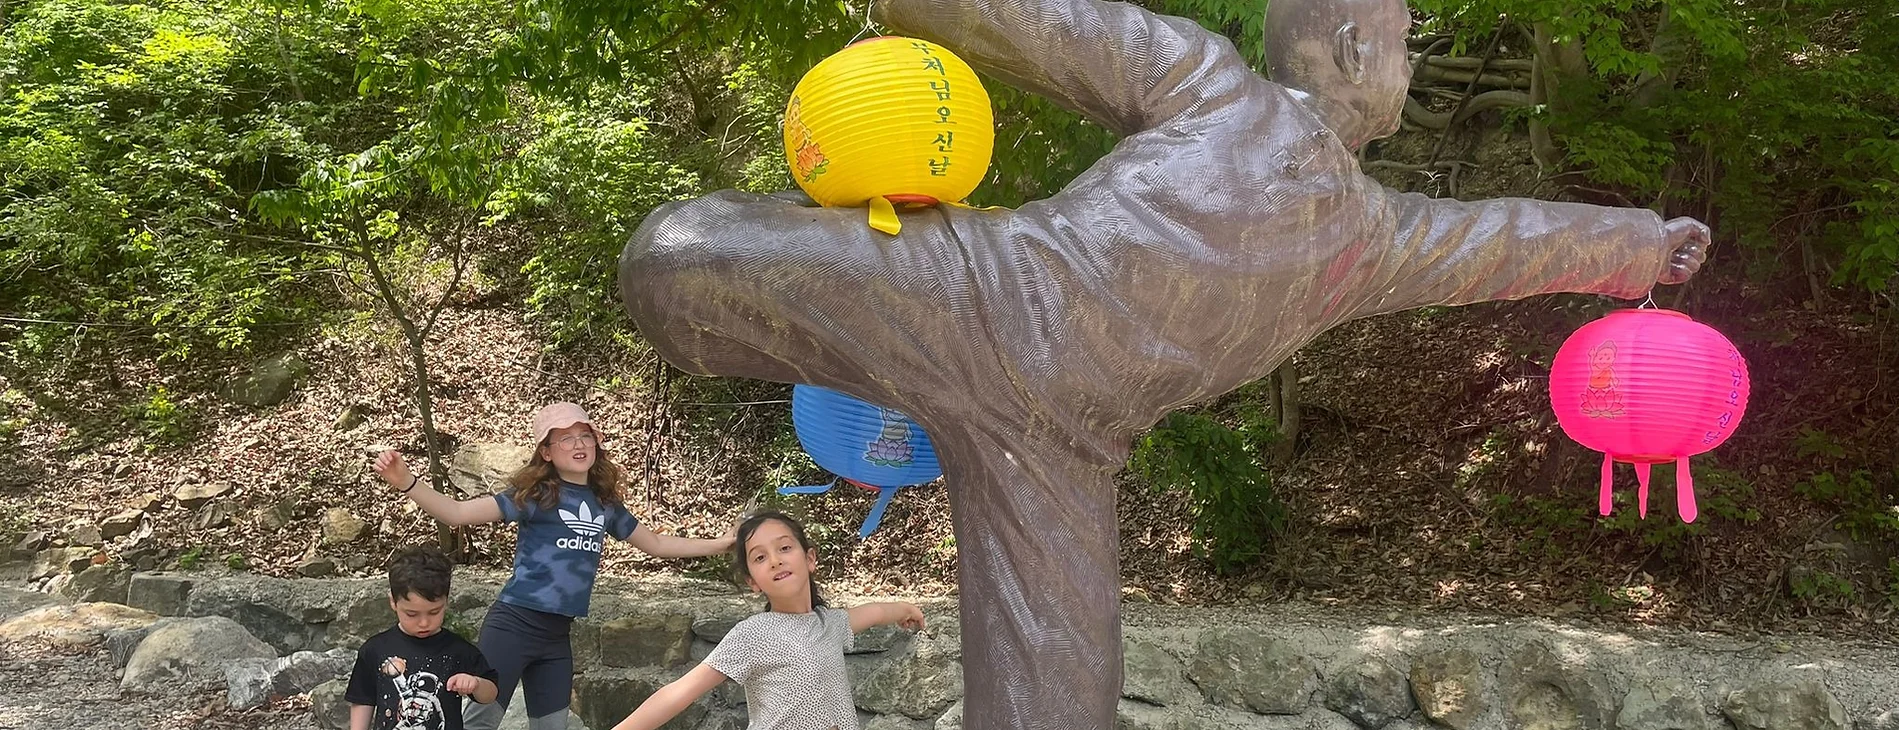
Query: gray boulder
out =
(253, 682)
(190, 655)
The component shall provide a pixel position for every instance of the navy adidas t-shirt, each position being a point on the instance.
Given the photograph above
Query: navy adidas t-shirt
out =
(557, 553)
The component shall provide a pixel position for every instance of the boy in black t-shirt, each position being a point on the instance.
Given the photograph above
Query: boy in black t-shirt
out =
(411, 676)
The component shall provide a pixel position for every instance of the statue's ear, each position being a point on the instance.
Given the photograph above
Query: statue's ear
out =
(1348, 52)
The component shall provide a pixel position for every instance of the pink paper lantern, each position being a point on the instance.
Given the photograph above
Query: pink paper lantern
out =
(1645, 386)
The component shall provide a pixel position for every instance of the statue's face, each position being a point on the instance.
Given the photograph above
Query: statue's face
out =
(1349, 53)
(1387, 78)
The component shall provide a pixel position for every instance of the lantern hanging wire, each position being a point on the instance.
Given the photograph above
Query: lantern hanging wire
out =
(866, 29)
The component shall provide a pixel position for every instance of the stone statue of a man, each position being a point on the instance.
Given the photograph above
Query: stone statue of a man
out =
(1228, 227)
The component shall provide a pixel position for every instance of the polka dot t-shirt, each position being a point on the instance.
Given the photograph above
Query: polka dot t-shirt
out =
(792, 668)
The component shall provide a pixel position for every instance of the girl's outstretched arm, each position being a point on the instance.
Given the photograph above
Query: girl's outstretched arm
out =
(395, 472)
(673, 698)
(670, 546)
(906, 615)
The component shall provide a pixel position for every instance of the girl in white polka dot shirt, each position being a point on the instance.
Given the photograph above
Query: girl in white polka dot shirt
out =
(789, 659)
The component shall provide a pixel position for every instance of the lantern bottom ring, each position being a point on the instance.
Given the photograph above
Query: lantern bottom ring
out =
(911, 199)
(1643, 458)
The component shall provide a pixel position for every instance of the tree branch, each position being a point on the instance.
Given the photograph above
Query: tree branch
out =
(681, 30)
(1457, 114)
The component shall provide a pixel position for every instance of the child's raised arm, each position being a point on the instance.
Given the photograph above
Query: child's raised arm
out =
(671, 699)
(906, 615)
(395, 472)
(672, 546)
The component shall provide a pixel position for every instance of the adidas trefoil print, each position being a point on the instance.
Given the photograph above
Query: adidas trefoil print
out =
(587, 528)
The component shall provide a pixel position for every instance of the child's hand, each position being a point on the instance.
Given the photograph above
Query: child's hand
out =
(909, 616)
(730, 537)
(393, 470)
(394, 666)
(463, 684)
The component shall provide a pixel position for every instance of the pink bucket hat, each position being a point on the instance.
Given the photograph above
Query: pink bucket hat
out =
(559, 415)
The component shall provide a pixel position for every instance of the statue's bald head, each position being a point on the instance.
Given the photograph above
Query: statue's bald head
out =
(1348, 54)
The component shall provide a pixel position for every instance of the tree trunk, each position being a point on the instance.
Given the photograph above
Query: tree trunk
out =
(417, 339)
(1671, 48)
(1286, 396)
(1810, 263)
(425, 410)
(1555, 62)
(290, 66)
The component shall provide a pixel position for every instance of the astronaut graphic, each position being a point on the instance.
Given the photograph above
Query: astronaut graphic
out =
(419, 706)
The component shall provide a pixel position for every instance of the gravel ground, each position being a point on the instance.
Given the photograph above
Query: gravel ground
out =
(42, 689)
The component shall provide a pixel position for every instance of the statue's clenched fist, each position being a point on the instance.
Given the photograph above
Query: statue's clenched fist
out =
(1688, 246)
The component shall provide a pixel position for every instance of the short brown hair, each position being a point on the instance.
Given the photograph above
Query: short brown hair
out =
(423, 570)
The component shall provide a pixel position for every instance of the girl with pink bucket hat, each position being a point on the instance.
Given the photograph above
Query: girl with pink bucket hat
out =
(567, 500)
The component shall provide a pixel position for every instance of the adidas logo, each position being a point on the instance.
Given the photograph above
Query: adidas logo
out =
(585, 523)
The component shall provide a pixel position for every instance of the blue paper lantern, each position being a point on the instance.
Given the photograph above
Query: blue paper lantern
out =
(874, 448)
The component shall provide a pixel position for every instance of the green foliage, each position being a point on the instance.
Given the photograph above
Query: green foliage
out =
(1820, 587)
(1040, 147)
(1548, 527)
(160, 419)
(1721, 496)
(129, 137)
(1866, 504)
(14, 406)
(1544, 523)
(716, 568)
(1242, 21)
(1781, 112)
(190, 559)
(237, 561)
(1237, 512)
(465, 624)
(1814, 443)
(590, 174)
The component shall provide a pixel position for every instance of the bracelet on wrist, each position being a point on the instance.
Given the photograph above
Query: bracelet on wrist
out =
(412, 483)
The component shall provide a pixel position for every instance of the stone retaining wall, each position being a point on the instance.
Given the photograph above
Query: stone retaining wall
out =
(1288, 666)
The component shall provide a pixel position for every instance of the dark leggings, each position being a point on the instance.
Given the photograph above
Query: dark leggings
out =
(530, 647)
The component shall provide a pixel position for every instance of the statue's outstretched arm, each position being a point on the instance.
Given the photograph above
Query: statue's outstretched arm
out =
(742, 285)
(1125, 68)
(1437, 251)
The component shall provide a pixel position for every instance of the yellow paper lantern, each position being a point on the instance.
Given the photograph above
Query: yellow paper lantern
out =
(889, 121)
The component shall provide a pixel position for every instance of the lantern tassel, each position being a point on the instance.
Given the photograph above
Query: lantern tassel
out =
(808, 489)
(1685, 492)
(876, 516)
(1606, 500)
(883, 216)
(1641, 494)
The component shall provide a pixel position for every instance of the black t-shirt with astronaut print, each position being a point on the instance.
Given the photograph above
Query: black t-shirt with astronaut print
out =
(417, 697)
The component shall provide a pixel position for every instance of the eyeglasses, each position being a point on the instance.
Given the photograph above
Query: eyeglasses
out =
(573, 440)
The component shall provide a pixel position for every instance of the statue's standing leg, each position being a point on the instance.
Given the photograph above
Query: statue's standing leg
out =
(1039, 570)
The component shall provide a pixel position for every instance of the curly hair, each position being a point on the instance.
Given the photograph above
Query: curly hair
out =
(539, 483)
(423, 570)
